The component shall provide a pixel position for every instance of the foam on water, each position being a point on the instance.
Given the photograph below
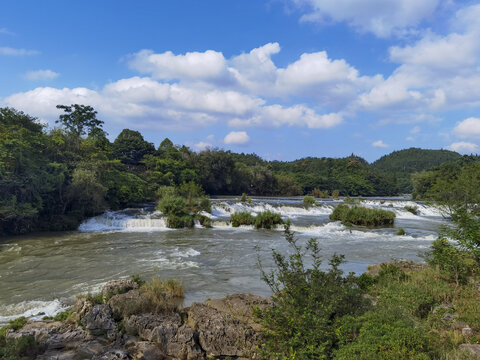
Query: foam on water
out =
(30, 309)
(119, 221)
(225, 209)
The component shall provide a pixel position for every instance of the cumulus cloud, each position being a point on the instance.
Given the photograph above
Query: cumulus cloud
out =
(463, 147)
(236, 138)
(202, 145)
(380, 17)
(9, 51)
(379, 143)
(468, 128)
(41, 75)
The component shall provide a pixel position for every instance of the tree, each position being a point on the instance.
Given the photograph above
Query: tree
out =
(130, 147)
(80, 119)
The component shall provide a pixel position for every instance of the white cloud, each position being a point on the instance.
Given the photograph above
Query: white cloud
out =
(463, 147)
(5, 31)
(415, 130)
(379, 143)
(468, 128)
(380, 17)
(410, 138)
(200, 146)
(41, 75)
(9, 51)
(236, 138)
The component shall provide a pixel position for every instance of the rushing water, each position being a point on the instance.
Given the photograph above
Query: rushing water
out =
(41, 273)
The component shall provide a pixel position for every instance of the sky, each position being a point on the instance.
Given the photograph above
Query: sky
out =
(284, 79)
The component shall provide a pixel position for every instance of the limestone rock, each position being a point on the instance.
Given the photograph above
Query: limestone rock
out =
(219, 333)
(99, 322)
(473, 349)
(144, 350)
(115, 354)
(115, 287)
(467, 331)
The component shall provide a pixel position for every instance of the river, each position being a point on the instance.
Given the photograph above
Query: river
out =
(42, 273)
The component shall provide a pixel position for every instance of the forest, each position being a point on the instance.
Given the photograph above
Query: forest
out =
(52, 179)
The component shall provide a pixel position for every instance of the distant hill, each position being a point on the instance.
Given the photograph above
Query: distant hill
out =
(401, 164)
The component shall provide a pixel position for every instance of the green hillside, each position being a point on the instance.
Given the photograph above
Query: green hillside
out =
(401, 164)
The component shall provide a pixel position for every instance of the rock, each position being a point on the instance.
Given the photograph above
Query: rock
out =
(219, 333)
(473, 349)
(467, 332)
(99, 322)
(174, 339)
(82, 307)
(133, 302)
(144, 350)
(115, 287)
(241, 306)
(459, 325)
(449, 317)
(114, 354)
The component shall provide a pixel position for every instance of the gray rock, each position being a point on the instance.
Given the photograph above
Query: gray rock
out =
(467, 331)
(459, 325)
(144, 350)
(442, 307)
(115, 354)
(473, 349)
(115, 287)
(219, 333)
(449, 317)
(99, 322)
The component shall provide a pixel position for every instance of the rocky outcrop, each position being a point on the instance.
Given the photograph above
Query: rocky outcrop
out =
(126, 329)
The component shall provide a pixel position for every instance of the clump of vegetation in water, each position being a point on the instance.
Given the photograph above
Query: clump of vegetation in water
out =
(411, 209)
(309, 201)
(205, 221)
(243, 198)
(400, 232)
(267, 220)
(336, 194)
(317, 193)
(241, 218)
(358, 215)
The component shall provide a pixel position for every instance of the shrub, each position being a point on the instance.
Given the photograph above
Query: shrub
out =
(204, 221)
(137, 279)
(319, 193)
(307, 302)
(309, 201)
(267, 220)
(24, 347)
(243, 198)
(241, 218)
(456, 264)
(204, 204)
(171, 204)
(359, 215)
(163, 295)
(400, 232)
(412, 209)
(335, 194)
(180, 222)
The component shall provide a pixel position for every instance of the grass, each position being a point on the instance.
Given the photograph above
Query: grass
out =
(411, 209)
(267, 220)
(358, 215)
(241, 218)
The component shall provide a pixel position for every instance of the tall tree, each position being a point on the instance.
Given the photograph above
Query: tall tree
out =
(130, 147)
(80, 119)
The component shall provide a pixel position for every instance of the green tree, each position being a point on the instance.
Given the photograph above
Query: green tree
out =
(130, 147)
(80, 119)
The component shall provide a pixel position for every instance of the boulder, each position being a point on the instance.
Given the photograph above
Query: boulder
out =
(219, 333)
(473, 349)
(115, 287)
(144, 350)
(100, 322)
(467, 331)
(174, 339)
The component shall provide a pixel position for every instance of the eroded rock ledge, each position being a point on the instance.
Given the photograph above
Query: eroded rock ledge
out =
(124, 329)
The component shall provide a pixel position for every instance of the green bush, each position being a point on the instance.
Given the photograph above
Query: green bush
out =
(458, 265)
(267, 220)
(401, 232)
(204, 204)
(308, 302)
(359, 215)
(173, 205)
(241, 218)
(24, 347)
(243, 198)
(204, 221)
(180, 222)
(336, 194)
(319, 193)
(411, 209)
(309, 201)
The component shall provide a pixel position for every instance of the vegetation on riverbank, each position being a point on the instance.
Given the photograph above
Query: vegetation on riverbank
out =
(359, 215)
(394, 311)
(51, 179)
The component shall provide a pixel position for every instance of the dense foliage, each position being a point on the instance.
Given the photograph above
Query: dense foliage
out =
(402, 164)
(359, 215)
(53, 179)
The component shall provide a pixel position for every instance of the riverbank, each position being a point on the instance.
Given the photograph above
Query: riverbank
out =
(411, 311)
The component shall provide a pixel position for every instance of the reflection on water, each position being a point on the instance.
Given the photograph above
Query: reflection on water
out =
(43, 272)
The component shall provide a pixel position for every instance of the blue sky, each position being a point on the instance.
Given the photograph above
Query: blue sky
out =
(282, 78)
